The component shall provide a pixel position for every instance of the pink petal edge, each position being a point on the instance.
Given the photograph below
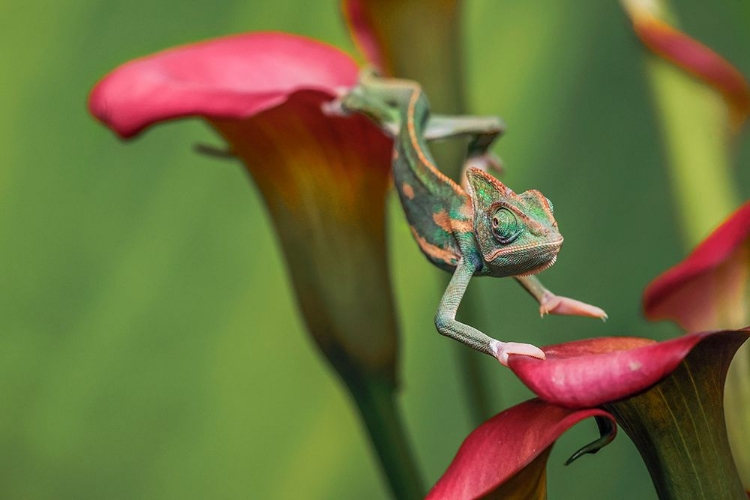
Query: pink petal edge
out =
(232, 77)
(592, 372)
(707, 256)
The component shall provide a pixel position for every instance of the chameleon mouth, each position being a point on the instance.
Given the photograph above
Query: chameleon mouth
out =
(544, 247)
(541, 268)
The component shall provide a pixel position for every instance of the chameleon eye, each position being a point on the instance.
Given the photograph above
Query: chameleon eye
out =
(505, 227)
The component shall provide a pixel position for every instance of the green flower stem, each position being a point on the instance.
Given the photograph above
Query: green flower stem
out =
(376, 402)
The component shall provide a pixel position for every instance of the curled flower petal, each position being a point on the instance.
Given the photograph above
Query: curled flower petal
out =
(707, 289)
(233, 77)
(693, 57)
(506, 456)
(592, 372)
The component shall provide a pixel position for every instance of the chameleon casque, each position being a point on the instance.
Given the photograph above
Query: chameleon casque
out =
(483, 230)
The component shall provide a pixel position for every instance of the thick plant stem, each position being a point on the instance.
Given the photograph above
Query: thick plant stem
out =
(376, 402)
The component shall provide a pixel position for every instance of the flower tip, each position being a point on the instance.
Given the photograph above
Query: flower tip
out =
(691, 56)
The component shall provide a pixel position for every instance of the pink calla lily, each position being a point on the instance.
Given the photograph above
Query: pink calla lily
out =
(324, 180)
(652, 389)
(322, 176)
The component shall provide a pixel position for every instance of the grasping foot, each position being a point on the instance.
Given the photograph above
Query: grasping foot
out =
(502, 350)
(486, 163)
(554, 304)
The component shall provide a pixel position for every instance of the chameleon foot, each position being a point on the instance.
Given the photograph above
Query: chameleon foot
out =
(486, 163)
(554, 304)
(502, 350)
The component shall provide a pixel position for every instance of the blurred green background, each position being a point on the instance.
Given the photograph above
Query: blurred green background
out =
(150, 346)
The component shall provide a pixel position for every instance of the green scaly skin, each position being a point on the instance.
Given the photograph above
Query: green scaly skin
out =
(485, 229)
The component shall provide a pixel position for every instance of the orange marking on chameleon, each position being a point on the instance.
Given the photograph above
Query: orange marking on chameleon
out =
(407, 190)
(415, 142)
(443, 220)
(434, 251)
(462, 226)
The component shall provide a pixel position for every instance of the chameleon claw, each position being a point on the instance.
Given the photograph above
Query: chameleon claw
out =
(502, 350)
(334, 108)
(487, 162)
(554, 304)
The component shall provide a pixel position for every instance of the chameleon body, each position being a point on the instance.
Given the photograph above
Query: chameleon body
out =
(485, 229)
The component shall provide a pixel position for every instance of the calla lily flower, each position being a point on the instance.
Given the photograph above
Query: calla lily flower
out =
(656, 391)
(667, 396)
(690, 55)
(324, 180)
(709, 289)
(485, 468)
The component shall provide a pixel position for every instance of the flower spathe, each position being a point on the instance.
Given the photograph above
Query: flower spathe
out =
(324, 178)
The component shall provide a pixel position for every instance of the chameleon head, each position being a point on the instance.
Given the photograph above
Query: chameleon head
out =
(517, 233)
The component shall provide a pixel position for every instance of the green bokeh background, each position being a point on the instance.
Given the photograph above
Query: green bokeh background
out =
(150, 346)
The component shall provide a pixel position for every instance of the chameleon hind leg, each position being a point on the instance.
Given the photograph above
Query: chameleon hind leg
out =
(549, 303)
(445, 320)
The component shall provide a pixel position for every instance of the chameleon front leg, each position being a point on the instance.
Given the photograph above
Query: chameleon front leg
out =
(483, 130)
(549, 303)
(445, 320)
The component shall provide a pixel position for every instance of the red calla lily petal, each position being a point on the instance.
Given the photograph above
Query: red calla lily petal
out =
(512, 444)
(692, 292)
(592, 372)
(697, 59)
(233, 77)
